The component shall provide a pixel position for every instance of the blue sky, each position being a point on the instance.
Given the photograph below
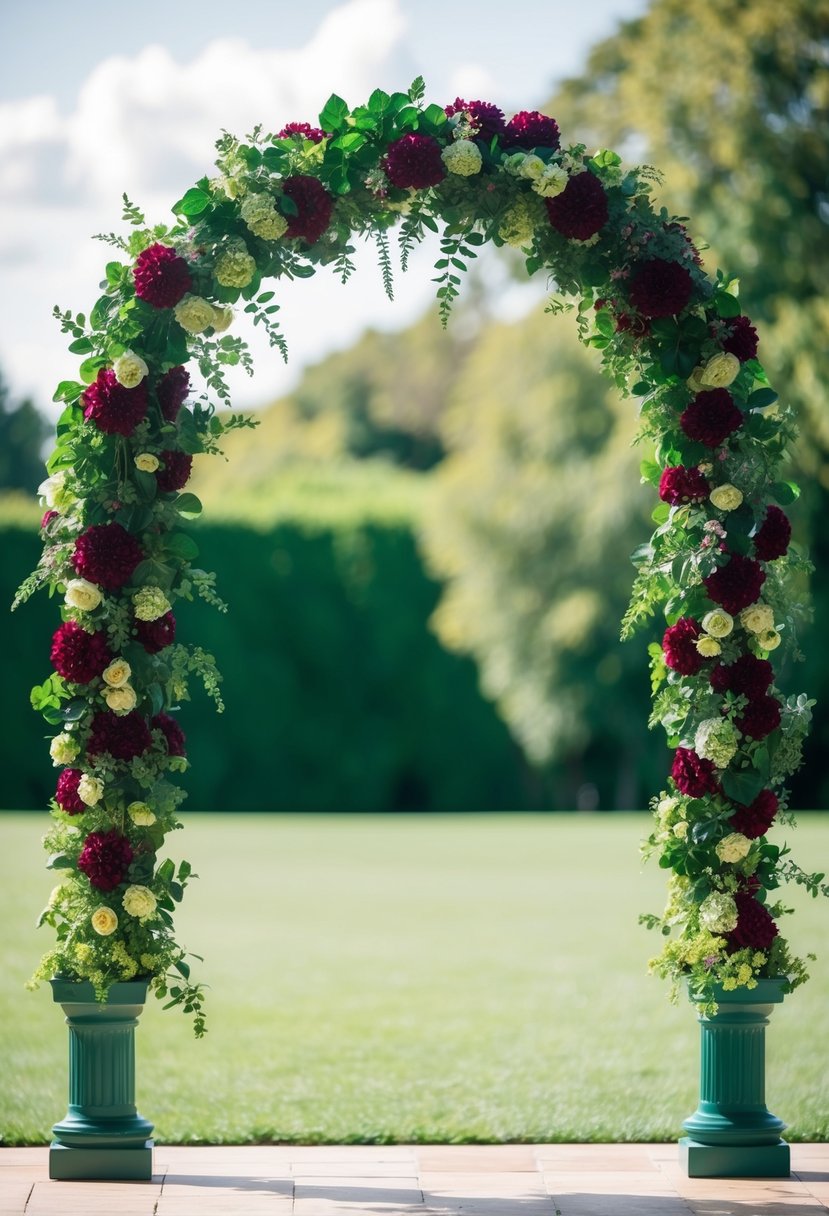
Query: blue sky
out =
(114, 100)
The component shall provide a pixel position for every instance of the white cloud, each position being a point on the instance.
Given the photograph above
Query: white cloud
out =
(472, 81)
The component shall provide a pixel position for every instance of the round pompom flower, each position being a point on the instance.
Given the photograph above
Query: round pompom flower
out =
(114, 409)
(711, 417)
(301, 130)
(659, 288)
(66, 794)
(486, 119)
(171, 391)
(463, 158)
(156, 635)
(747, 676)
(679, 485)
(235, 267)
(176, 471)
(756, 819)
(123, 736)
(529, 129)
(79, 656)
(692, 775)
(773, 536)
(107, 554)
(718, 912)
(414, 162)
(679, 645)
(742, 340)
(105, 859)
(161, 276)
(581, 208)
(760, 717)
(313, 207)
(737, 584)
(755, 926)
(173, 734)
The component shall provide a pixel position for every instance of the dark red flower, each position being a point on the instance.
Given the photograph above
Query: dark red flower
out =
(747, 676)
(302, 129)
(47, 519)
(486, 118)
(176, 471)
(105, 859)
(711, 417)
(114, 409)
(173, 734)
(171, 391)
(755, 820)
(162, 278)
(581, 208)
(107, 554)
(414, 162)
(773, 536)
(679, 485)
(124, 736)
(759, 718)
(742, 341)
(678, 644)
(79, 656)
(737, 584)
(659, 288)
(529, 129)
(156, 635)
(66, 795)
(632, 323)
(692, 775)
(755, 926)
(314, 206)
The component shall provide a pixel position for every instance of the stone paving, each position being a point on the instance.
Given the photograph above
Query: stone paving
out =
(425, 1180)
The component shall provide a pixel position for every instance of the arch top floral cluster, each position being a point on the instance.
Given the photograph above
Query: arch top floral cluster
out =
(117, 551)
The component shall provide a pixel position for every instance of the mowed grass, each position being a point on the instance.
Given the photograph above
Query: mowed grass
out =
(382, 979)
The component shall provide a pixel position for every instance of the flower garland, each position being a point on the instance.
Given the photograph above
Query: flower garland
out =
(720, 563)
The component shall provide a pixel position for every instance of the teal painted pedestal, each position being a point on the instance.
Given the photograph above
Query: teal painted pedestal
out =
(732, 1134)
(101, 1136)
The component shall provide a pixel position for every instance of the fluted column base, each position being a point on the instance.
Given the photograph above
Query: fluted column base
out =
(734, 1160)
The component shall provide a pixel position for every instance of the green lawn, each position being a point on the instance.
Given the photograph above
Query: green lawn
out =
(375, 979)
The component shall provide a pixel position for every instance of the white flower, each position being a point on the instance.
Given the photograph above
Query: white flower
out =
(235, 268)
(716, 739)
(117, 674)
(121, 700)
(130, 369)
(63, 749)
(104, 921)
(708, 647)
(759, 618)
(718, 912)
(259, 212)
(147, 462)
(531, 167)
(141, 815)
(681, 829)
(720, 370)
(139, 902)
(718, 623)
(149, 603)
(553, 181)
(733, 848)
(726, 497)
(194, 314)
(54, 493)
(90, 790)
(82, 594)
(222, 318)
(463, 157)
(770, 639)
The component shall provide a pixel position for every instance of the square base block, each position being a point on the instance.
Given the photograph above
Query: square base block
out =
(734, 1160)
(99, 1164)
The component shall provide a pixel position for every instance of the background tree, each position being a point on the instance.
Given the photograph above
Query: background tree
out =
(23, 432)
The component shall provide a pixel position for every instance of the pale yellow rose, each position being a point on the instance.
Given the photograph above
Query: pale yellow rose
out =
(141, 815)
(733, 848)
(694, 381)
(769, 640)
(90, 789)
(63, 749)
(147, 462)
(718, 623)
(681, 829)
(82, 594)
(121, 700)
(759, 618)
(720, 370)
(726, 497)
(552, 182)
(222, 318)
(117, 674)
(532, 167)
(139, 902)
(130, 369)
(194, 314)
(708, 647)
(104, 921)
(463, 158)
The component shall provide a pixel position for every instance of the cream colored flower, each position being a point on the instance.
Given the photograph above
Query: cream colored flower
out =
(90, 789)
(139, 902)
(726, 497)
(694, 381)
(514, 163)
(149, 603)
(553, 181)
(716, 740)
(141, 815)
(759, 618)
(733, 848)
(681, 829)
(82, 594)
(130, 369)
(104, 921)
(147, 462)
(769, 640)
(518, 224)
(718, 912)
(259, 212)
(235, 268)
(63, 749)
(222, 318)
(720, 370)
(121, 700)
(463, 157)
(54, 493)
(194, 314)
(531, 167)
(117, 674)
(718, 623)
(708, 647)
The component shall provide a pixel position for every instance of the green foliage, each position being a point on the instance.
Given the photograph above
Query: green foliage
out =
(23, 432)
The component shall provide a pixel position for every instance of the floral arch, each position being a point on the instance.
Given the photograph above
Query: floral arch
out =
(720, 564)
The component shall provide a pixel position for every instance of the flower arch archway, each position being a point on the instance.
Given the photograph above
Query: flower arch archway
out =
(719, 564)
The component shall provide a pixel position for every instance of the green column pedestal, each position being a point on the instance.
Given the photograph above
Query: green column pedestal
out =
(101, 1136)
(732, 1134)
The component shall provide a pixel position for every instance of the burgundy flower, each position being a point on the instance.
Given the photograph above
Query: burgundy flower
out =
(755, 820)
(581, 208)
(737, 584)
(747, 676)
(486, 118)
(124, 736)
(681, 653)
(692, 775)
(79, 656)
(171, 391)
(529, 129)
(114, 409)
(632, 323)
(314, 206)
(105, 859)
(679, 485)
(755, 926)
(162, 278)
(302, 129)
(742, 341)
(66, 795)
(414, 162)
(759, 718)
(47, 519)
(173, 734)
(176, 471)
(156, 635)
(711, 417)
(773, 536)
(107, 554)
(659, 288)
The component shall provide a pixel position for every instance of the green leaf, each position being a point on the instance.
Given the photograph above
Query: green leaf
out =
(81, 346)
(435, 115)
(188, 505)
(761, 397)
(166, 871)
(181, 545)
(59, 861)
(378, 102)
(742, 786)
(333, 113)
(785, 492)
(727, 305)
(195, 201)
(68, 390)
